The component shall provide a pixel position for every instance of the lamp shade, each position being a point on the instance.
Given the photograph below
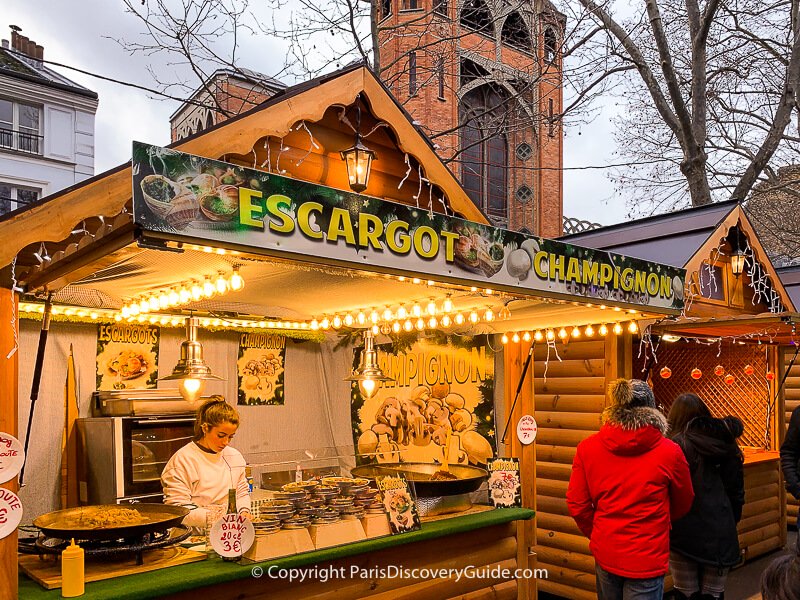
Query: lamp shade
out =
(737, 262)
(358, 160)
(368, 374)
(191, 368)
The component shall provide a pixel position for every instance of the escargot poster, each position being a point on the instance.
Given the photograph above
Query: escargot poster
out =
(260, 368)
(127, 356)
(443, 389)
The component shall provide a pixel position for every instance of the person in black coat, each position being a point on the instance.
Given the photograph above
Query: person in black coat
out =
(704, 544)
(790, 461)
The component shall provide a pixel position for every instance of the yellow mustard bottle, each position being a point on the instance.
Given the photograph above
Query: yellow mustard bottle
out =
(72, 571)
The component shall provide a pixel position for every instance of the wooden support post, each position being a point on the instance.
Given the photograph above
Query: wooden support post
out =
(9, 372)
(515, 356)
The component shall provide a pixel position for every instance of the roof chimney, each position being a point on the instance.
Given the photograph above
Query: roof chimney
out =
(26, 46)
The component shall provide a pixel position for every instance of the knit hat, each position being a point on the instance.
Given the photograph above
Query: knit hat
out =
(631, 393)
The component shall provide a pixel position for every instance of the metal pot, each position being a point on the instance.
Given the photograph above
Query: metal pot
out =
(468, 478)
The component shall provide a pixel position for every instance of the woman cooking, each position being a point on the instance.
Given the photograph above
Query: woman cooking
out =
(200, 474)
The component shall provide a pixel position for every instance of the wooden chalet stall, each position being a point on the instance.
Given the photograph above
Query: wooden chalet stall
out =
(91, 253)
(733, 335)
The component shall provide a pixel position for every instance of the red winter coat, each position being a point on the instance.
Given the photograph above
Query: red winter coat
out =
(628, 484)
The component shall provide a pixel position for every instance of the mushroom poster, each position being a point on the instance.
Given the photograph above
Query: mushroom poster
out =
(443, 389)
(260, 367)
(127, 356)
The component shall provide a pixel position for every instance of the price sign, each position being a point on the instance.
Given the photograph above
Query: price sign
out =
(12, 457)
(527, 429)
(10, 512)
(232, 536)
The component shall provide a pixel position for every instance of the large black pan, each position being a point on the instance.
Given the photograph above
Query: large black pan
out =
(468, 478)
(66, 524)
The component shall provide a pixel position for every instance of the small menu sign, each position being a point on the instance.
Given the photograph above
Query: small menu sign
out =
(12, 456)
(505, 487)
(398, 503)
(232, 535)
(10, 512)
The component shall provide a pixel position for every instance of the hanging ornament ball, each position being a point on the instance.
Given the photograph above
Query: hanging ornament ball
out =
(696, 373)
(666, 372)
(719, 370)
(770, 375)
(729, 379)
(749, 370)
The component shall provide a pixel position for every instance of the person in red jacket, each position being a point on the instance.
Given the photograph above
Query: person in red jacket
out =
(628, 484)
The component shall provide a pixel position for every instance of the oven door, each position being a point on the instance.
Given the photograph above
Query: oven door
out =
(147, 445)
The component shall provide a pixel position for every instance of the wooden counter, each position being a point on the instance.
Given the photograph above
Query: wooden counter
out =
(482, 539)
(763, 525)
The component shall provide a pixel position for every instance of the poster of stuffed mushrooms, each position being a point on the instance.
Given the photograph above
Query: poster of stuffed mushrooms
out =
(443, 389)
(260, 368)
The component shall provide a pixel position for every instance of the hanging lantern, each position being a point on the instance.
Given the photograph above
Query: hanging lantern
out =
(696, 373)
(665, 373)
(358, 159)
(770, 375)
(729, 379)
(749, 370)
(719, 370)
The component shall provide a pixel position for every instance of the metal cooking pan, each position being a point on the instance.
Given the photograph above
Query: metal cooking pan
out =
(469, 478)
(66, 524)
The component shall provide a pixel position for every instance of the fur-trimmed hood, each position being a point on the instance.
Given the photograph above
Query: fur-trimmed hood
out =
(632, 430)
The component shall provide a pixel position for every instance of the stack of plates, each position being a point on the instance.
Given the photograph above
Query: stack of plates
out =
(341, 502)
(297, 486)
(326, 492)
(366, 496)
(280, 509)
(297, 498)
(376, 508)
(297, 522)
(352, 512)
(266, 524)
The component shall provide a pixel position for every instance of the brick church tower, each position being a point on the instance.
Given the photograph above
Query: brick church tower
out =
(483, 79)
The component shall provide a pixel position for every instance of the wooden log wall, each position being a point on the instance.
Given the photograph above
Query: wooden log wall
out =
(791, 395)
(483, 548)
(762, 528)
(569, 403)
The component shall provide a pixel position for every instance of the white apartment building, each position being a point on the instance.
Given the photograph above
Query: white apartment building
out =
(46, 126)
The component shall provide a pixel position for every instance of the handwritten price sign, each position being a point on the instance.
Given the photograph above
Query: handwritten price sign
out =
(232, 536)
(10, 512)
(12, 457)
(527, 429)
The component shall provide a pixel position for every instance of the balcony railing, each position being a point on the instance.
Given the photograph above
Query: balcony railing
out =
(21, 141)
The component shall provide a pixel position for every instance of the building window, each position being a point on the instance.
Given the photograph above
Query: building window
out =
(13, 196)
(386, 8)
(410, 4)
(524, 194)
(412, 73)
(471, 71)
(550, 45)
(484, 149)
(440, 75)
(475, 15)
(524, 151)
(440, 7)
(20, 127)
(515, 33)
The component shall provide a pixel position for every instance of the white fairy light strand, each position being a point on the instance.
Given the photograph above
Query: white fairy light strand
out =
(314, 145)
(14, 289)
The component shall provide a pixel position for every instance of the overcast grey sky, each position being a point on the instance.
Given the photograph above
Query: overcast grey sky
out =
(76, 33)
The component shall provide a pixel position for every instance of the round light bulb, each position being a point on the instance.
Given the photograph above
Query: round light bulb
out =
(196, 291)
(152, 301)
(221, 285)
(174, 298)
(488, 315)
(415, 280)
(459, 319)
(446, 321)
(538, 336)
(325, 324)
(633, 327)
(184, 294)
(447, 305)
(416, 310)
(314, 324)
(617, 328)
(348, 320)
(473, 317)
(387, 314)
(337, 322)
(385, 329)
(551, 335)
(374, 317)
(361, 318)
(126, 311)
(562, 333)
(504, 314)
(208, 288)
(589, 331)
(236, 282)
(396, 327)
(144, 306)
(191, 389)
(431, 308)
(432, 322)
(603, 329)
(402, 313)
(408, 325)
(526, 336)
(375, 330)
(504, 339)
(576, 333)
(368, 387)
(420, 324)
(515, 338)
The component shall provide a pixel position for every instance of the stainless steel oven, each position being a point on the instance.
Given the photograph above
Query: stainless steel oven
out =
(120, 459)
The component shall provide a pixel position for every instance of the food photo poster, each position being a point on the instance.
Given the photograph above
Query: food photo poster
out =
(398, 503)
(260, 367)
(127, 356)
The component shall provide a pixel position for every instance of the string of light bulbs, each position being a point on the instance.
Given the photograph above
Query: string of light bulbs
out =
(182, 294)
(551, 334)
